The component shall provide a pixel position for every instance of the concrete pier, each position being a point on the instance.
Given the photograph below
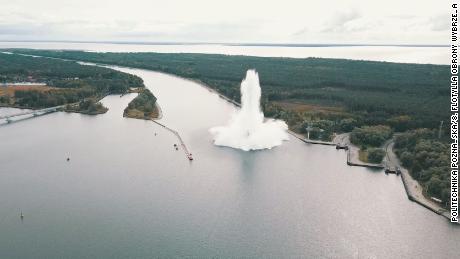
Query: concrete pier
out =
(182, 143)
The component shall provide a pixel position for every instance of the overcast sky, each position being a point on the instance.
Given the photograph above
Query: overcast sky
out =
(286, 21)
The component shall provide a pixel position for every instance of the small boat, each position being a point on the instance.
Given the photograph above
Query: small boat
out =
(68, 159)
(22, 215)
(190, 157)
(391, 170)
(339, 146)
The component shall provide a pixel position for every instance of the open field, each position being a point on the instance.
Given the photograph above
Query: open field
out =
(11, 89)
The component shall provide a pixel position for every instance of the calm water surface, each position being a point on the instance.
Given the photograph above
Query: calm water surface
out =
(127, 193)
(424, 55)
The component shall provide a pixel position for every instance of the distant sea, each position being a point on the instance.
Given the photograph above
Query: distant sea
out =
(421, 54)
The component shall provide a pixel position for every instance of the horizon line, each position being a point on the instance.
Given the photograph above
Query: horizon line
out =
(250, 44)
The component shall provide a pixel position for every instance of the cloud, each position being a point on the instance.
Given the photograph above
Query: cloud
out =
(300, 32)
(439, 22)
(340, 21)
(295, 21)
(223, 31)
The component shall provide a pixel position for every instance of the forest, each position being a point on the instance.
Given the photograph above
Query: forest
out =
(66, 81)
(143, 106)
(87, 106)
(372, 100)
(403, 96)
(427, 158)
(370, 139)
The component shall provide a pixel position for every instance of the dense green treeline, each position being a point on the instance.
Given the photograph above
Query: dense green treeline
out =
(67, 81)
(375, 92)
(50, 98)
(370, 140)
(373, 136)
(90, 106)
(427, 159)
(369, 99)
(64, 74)
(143, 106)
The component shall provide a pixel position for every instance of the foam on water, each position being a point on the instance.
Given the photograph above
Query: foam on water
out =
(248, 129)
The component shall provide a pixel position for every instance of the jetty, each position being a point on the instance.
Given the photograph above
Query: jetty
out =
(413, 189)
(34, 113)
(342, 141)
(318, 142)
(353, 160)
(182, 143)
(310, 141)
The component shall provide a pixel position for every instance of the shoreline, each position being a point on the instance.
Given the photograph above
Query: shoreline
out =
(157, 112)
(353, 152)
(160, 112)
(414, 190)
(349, 159)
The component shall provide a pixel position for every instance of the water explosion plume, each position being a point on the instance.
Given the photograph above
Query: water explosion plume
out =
(247, 129)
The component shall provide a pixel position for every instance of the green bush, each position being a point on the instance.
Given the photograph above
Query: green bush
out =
(427, 159)
(144, 101)
(375, 155)
(371, 135)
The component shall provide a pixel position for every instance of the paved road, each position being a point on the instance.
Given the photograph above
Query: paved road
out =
(353, 151)
(413, 188)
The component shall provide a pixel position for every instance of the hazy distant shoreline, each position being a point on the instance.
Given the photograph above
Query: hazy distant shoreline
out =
(398, 53)
(239, 44)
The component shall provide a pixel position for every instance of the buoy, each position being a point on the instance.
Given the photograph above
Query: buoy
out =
(22, 215)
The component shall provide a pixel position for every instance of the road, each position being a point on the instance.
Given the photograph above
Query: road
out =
(353, 152)
(413, 189)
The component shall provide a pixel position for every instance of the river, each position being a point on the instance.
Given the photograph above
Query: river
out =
(127, 192)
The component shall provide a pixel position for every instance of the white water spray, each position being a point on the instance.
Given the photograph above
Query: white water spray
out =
(247, 129)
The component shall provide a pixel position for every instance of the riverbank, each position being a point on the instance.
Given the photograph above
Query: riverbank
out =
(353, 154)
(143, 106)
(94, 108)
(413, 189)
(97, 112)
(225, 203)
(137, 114)
(340, 139)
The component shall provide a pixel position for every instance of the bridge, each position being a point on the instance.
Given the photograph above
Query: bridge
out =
(35, 113)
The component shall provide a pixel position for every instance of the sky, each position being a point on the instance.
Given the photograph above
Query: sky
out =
(236, 21)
